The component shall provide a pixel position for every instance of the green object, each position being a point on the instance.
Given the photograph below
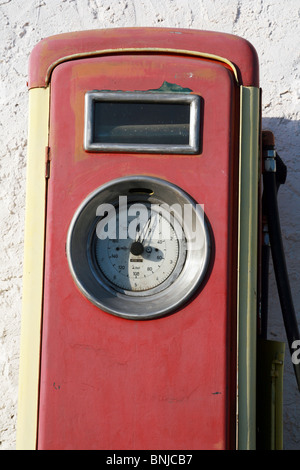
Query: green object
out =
(172, 88)
(247, 269)
(270, 360)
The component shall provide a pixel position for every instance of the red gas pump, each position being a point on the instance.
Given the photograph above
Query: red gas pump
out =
(140, 291)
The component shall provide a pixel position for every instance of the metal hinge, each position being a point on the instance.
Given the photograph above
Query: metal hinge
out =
(47, 162)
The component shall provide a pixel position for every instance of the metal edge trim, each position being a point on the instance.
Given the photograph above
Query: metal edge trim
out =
(133, 50)
(193, 100)
(33, 270)
(247, 266)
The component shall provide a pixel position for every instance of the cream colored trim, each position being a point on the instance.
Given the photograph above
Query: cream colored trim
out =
(33, 269)
(154, 50)
(247, 278)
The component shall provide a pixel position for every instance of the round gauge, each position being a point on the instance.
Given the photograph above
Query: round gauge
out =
(138, 247)
(147, 260)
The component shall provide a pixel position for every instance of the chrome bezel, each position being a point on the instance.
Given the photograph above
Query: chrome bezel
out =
(148, 304)
(148, 97)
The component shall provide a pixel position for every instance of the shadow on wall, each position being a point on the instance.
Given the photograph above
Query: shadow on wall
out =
(287, 141)
(287, 136)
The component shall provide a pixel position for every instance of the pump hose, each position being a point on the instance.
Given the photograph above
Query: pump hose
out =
(279, 262)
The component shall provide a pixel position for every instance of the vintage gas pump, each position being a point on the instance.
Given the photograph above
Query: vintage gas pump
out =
(142, 251)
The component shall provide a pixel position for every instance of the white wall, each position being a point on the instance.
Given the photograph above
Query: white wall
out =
(273, 28)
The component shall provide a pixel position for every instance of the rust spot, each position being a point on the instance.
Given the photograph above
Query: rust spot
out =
(56, 387)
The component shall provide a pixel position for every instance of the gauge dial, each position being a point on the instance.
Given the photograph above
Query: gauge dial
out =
(145, 260)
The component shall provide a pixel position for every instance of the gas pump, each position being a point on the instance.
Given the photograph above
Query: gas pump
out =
(141, 320)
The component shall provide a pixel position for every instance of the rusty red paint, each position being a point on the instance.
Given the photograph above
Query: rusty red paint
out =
(168, 383)
(235, 49)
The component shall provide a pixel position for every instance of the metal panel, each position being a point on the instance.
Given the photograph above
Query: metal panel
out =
(33, 269)
(176, 373)
(142, 97)
(270, 361)
(232, 51)
(248, 243)
(186, 362)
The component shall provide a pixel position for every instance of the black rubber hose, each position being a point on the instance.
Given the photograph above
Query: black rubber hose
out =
(279, 262)
(265, 261)
(281, 173)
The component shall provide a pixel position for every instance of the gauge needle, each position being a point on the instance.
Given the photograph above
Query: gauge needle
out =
(137, 247)
(145, 230)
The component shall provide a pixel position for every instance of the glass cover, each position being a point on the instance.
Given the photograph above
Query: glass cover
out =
(141, 123)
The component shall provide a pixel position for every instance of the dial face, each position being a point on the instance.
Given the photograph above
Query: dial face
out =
(138, 247)
(150, 250)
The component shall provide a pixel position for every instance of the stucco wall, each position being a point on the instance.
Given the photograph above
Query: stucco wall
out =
(273, 28)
